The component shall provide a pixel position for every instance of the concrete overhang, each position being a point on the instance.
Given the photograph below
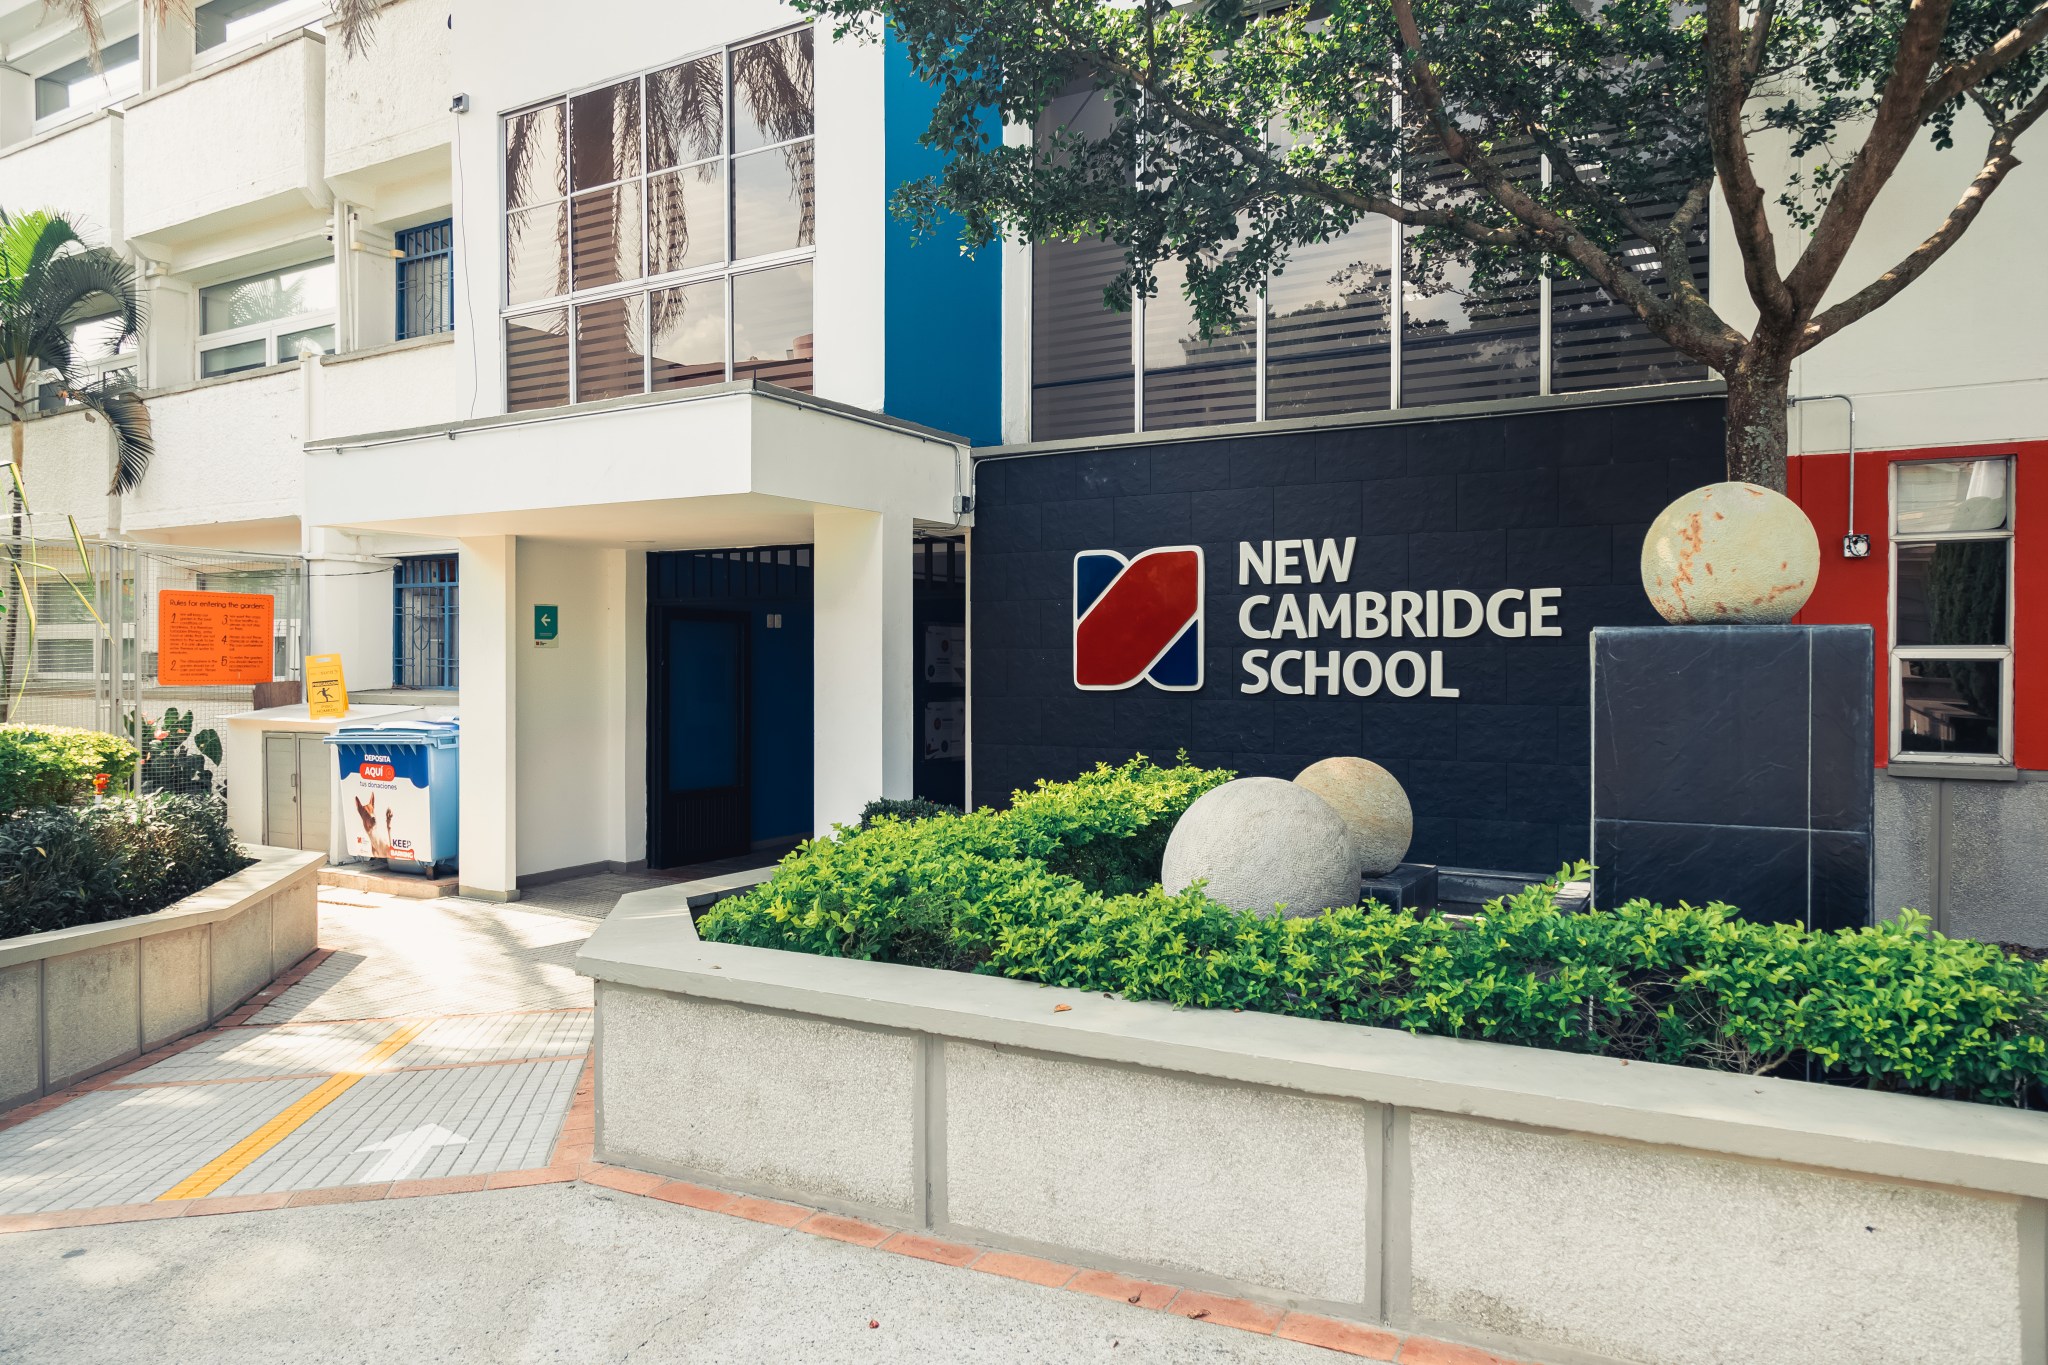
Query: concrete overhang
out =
(730, 464)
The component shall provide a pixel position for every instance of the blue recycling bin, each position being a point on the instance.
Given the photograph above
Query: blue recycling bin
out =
(398, 788)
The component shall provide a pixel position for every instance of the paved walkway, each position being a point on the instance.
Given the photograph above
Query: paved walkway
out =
(399, 1137)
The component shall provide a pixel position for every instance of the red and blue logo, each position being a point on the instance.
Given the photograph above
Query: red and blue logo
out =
(1138, 618)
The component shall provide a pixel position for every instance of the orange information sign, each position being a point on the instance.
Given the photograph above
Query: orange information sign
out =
(215, 637)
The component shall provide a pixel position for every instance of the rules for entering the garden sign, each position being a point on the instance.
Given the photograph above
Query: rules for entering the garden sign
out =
(215, 637)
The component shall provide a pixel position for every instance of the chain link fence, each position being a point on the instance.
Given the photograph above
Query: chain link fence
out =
(79, 646)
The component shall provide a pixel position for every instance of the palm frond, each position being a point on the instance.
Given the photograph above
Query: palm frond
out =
(355, 21)
(134, 440)
(85, 14)
(61, 291)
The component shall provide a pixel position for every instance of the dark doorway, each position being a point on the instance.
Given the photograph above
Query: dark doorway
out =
(729, 702)
(938, 615)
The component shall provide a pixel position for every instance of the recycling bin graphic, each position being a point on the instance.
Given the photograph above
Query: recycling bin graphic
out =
(397, 786)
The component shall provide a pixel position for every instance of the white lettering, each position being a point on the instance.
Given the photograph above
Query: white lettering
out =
(1515, 626)
(1250, 561)
(1371, 616)
(1327, 559)
(1280, 684)
(1311, 670)
(1543, 607)
(1351, 682)
(1255, 669)
(1287, 619)
(1429, 618)
(1331, 613)
(1407, 613)
(1436, 676)
(1458, 597)
(1287, 561)
(1416, 673)
(1244, 617)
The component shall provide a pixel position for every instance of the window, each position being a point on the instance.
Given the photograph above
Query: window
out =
(426, 280)
(265, 319)
(659, 230)
(101, 357)
(77, 88)
(234, 23)
(424, 626)
(1951, 655)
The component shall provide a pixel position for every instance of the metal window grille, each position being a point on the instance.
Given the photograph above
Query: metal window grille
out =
(425, 617)
(426, 280)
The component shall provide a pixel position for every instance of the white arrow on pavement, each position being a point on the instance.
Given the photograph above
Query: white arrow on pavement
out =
(406, 1151)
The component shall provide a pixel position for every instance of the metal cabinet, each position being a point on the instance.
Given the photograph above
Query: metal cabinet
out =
(297, 790)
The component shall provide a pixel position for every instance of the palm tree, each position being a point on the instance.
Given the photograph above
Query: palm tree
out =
(50, 278)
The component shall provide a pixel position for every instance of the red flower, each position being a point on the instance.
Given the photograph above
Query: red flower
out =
(99, 783)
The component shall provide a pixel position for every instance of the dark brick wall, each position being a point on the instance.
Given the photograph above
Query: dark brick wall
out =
(1499, 776)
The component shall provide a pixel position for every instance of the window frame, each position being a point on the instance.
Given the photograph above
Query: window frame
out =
(268, 332)
(107, 99)
(725, 270)
(290, 17)
(406, 243)
(1896, 653)
(91, 371)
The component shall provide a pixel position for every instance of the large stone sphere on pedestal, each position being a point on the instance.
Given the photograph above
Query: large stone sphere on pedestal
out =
(1371, 801)
(1730, 553)
(1260, 842)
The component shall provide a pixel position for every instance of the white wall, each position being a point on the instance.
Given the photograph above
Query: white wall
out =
(228, 450)
(502, 65)
(392, 101)
(1961, 354)
(66, 465)
(409, 384)
(75, 171)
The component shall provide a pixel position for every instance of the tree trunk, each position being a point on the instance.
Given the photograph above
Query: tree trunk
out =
(1757, 404)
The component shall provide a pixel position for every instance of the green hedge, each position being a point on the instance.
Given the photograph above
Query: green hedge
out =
(1061, 888)
(55, 765)
(62, 866)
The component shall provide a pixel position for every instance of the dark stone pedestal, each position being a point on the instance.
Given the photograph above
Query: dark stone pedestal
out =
(1411, 886)
(1734, 763)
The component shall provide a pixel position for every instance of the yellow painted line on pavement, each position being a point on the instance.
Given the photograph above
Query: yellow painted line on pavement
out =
(237, 1158)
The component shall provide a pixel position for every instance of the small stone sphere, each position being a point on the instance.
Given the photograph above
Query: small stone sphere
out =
(1730, 553)
(1371, 801)
(1259, 843)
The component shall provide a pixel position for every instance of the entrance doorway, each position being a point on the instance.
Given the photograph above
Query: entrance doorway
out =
(729, 702)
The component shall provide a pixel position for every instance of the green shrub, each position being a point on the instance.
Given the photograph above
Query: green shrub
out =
(62, 866)
(908, 810)
(54, 765)
(1049, 891)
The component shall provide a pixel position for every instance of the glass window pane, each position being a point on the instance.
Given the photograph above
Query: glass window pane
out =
(685, 113)
(78, 86)
(1329, 334)
(288, 342)
(689, 335)
(98, 339)
(1081, 370)
(604, 135)
(604, 236)
(774, 205)
(1190, 382)
(243, 355)
(1951, 706)
(537, 360)
(686, 218)
(536, 253)
(1941, 496)
(1460, 344)
(610, 349)
(1596, 343)
(1952, 592)
(771, 326)
(533, 157)
(222, 21)
(771, 91)
(267, 298)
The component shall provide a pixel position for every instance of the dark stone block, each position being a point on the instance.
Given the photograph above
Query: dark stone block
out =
(1560, 793)
(1008, 630)
(1148, 520)
(1547, 673)
(1478, 672)
(1563, 557)
(1508, 846)
(1507, 734)
(1230, 516)
(1554, 439)
(1317, 510)
(1606, 494)
(1271, 462)
(1841, 880)
(1416, 504)
(1366, 453)
(1191, 467)
(1083, 524)
(1509, 497)
(1406, 729)
(1466, 446)
(991, 480)
(1113, 474)
(1322, 727)
(1235, 723)
(1762, 872)
(1380, 563)
(1038, 478)
(1473, 791)
(1080, 718)
(1411, 886)
(1844, 727)
(1622, 604)
(1435, 841)
(1153, 721)
(1458, 559)
(1007, 527)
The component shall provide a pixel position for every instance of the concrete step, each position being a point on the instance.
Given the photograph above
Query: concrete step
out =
(360, 878)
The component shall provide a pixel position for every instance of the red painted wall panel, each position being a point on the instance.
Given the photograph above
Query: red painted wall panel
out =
(1853, 591)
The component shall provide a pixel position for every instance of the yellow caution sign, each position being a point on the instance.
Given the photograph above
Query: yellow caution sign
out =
(326, 693)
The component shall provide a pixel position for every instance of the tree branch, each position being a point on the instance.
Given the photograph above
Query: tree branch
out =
(1727, 92)
(1998, 163)
(1759, 42)
(1960, 77)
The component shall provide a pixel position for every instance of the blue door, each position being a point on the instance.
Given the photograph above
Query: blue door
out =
(699, 742)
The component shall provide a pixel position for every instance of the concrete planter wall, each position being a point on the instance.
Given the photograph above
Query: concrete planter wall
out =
(77, 1001)
(1556, 1207)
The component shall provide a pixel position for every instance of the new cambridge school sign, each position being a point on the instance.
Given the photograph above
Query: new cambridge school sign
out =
(1140, 619)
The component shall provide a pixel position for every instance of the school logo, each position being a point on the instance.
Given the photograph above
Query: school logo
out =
(1138, 618)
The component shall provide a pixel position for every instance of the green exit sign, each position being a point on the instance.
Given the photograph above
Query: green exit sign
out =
(547, 623)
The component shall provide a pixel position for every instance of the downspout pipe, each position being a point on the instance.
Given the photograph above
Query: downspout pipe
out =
(1854, 544)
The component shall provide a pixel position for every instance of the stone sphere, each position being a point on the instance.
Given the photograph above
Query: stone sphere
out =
(1730, 553)
(1371, 801)
(1260, 843)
